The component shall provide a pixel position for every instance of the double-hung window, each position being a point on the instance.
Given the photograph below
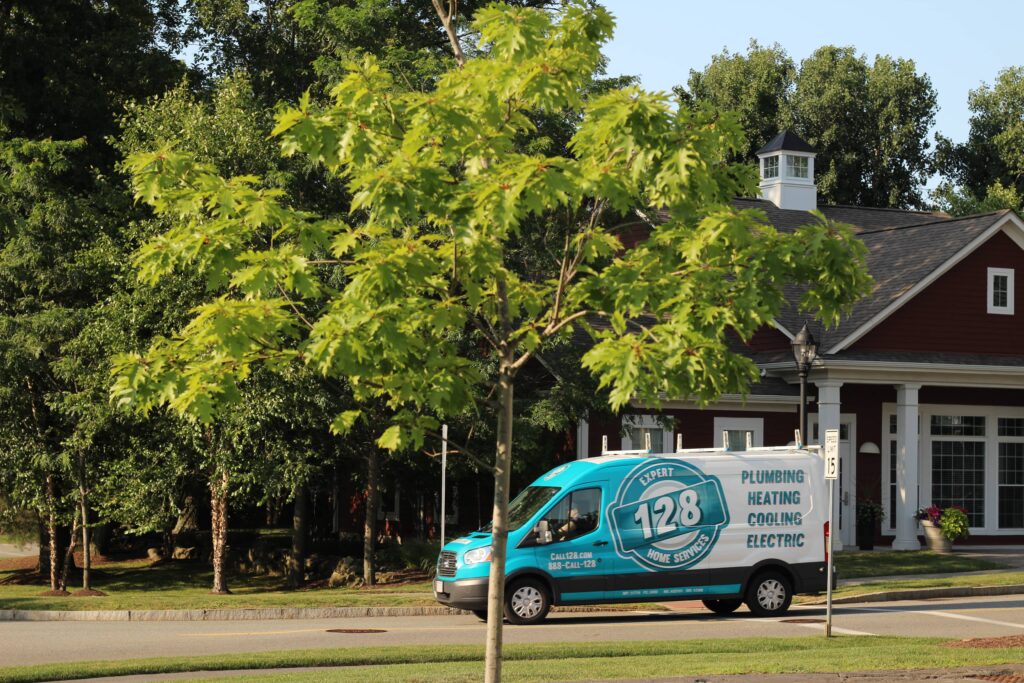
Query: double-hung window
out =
(1000, 291)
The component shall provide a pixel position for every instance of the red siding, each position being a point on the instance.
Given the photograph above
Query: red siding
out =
(951, 314)
(768, 338)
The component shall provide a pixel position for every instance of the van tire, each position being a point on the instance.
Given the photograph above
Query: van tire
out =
(769, 594)
(526, 602)
(723, 606)
(480, 614)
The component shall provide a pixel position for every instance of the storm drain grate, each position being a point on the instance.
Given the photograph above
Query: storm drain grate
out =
(356, 630)
(1001, 678)
(803, 621)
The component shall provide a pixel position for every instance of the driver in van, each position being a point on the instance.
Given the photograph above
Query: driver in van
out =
(570, 525)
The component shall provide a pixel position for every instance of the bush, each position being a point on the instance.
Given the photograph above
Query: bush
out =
(954, 524)
(420, 555)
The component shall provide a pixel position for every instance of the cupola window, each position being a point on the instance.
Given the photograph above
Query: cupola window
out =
(1000, 291)
(796, 167)
(771, 167)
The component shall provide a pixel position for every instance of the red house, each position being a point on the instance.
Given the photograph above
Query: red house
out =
(924, 379)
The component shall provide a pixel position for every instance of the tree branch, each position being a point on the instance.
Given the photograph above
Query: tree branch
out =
(448, 21)
(463, 450)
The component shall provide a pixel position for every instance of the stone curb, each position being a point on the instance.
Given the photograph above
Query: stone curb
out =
(249, 614)
(925, 594)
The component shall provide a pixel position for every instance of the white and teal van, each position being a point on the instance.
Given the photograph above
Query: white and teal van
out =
(724, 527)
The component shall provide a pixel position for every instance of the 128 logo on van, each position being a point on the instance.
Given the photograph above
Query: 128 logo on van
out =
(667, 514)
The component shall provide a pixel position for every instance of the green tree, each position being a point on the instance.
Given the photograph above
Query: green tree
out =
(986, 172)
(442, 196)
(868, 121)
(755, 87)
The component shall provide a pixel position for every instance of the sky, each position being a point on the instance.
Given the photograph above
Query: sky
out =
(958, 44)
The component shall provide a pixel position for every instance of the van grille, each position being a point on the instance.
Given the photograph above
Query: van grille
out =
(446, 564)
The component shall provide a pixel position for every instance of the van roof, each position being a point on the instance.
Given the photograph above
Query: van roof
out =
(569, 473)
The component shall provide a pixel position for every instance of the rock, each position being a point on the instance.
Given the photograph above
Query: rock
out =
(345, 574)
(154, 554)
(185, 553)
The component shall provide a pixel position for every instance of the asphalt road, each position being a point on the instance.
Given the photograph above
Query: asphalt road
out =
(52, 641)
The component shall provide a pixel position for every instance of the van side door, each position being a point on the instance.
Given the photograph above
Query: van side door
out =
(580, 555)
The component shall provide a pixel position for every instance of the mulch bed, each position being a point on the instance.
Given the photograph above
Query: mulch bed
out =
(1004, 641)
(91, 593)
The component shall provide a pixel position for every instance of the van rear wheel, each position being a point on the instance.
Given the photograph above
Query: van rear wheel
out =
(526, 602)
(723, 606)
(769, 594)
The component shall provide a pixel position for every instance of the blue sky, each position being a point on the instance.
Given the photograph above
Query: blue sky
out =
(958, 44)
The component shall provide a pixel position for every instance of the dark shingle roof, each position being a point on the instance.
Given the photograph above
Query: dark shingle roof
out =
(789, 141)
(904, 357)
(861, 219)
(898, 258)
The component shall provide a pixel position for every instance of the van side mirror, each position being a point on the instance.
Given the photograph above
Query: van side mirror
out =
(543, 532)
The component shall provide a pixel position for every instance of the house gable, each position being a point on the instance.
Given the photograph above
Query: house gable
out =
(951, 313)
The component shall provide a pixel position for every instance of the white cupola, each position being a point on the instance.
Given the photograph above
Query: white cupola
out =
(787, 173)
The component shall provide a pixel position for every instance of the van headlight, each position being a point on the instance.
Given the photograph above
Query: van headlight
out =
(477, 555)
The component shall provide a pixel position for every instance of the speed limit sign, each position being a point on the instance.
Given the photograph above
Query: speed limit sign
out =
(831, 454)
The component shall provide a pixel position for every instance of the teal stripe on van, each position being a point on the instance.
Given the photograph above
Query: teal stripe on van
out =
(721, 589)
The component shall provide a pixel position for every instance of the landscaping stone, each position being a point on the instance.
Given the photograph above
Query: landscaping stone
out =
(185, 553)
(154, 554)
(346, 574)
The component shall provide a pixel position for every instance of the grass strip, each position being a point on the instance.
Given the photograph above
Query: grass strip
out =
(860, 564)
(559, 661)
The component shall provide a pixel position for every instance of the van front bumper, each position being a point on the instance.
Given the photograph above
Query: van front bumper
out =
(468, 594)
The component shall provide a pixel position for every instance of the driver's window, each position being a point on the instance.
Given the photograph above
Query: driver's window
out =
(575, 515)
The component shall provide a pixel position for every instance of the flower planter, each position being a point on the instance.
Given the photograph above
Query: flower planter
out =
(934, 538)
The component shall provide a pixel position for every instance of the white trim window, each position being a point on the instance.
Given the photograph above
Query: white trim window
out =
(1000, 291)
(771, 167)
(796, 167)
(636, 427)
(738, 429)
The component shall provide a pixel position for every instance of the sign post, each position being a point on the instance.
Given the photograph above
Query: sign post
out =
(444, 471)
(831, 474)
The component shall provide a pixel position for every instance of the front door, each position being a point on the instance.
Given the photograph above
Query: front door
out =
(844, 509)
(580, 556)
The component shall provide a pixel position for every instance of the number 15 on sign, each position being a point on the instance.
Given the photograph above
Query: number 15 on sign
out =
(831, 454)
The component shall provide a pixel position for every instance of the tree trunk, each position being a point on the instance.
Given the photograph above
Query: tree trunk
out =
(499, 531)
(86, 549)
(370, 523)
(69, 555)
(300, 534)
(51, 530)
(219, 529)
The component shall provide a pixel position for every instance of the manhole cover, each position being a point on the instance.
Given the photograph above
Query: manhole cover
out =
(356, 630)
(803, 621)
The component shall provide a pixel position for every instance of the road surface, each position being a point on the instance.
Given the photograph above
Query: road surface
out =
(53, 641)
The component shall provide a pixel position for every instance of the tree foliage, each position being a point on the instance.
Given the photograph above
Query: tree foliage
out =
(986, 172)
(868, 121)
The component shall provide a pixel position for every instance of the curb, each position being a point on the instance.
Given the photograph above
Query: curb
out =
(250, 614)
(925, 594)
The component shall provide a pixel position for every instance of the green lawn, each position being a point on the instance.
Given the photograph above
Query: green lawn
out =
(186, 585)
(859, 564)
(953, 580)
(562, 661)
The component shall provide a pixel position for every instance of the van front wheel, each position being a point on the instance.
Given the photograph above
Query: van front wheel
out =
(722, 606)
(769, 594)
(526, 602)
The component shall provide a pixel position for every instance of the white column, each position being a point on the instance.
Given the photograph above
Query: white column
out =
(906, 467)
(828, 418)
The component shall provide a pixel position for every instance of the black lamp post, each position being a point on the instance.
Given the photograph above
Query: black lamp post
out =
(805, 350)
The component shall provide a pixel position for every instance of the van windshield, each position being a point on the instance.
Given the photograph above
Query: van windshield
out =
(526, 504)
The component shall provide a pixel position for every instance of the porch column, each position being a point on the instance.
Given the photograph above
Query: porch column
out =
(828, 418)
(906, 467)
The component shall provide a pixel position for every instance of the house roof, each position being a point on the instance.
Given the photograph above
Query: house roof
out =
(900, 258)
(789, 141)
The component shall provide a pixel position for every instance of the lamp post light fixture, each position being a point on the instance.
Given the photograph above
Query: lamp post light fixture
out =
(805, 350)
